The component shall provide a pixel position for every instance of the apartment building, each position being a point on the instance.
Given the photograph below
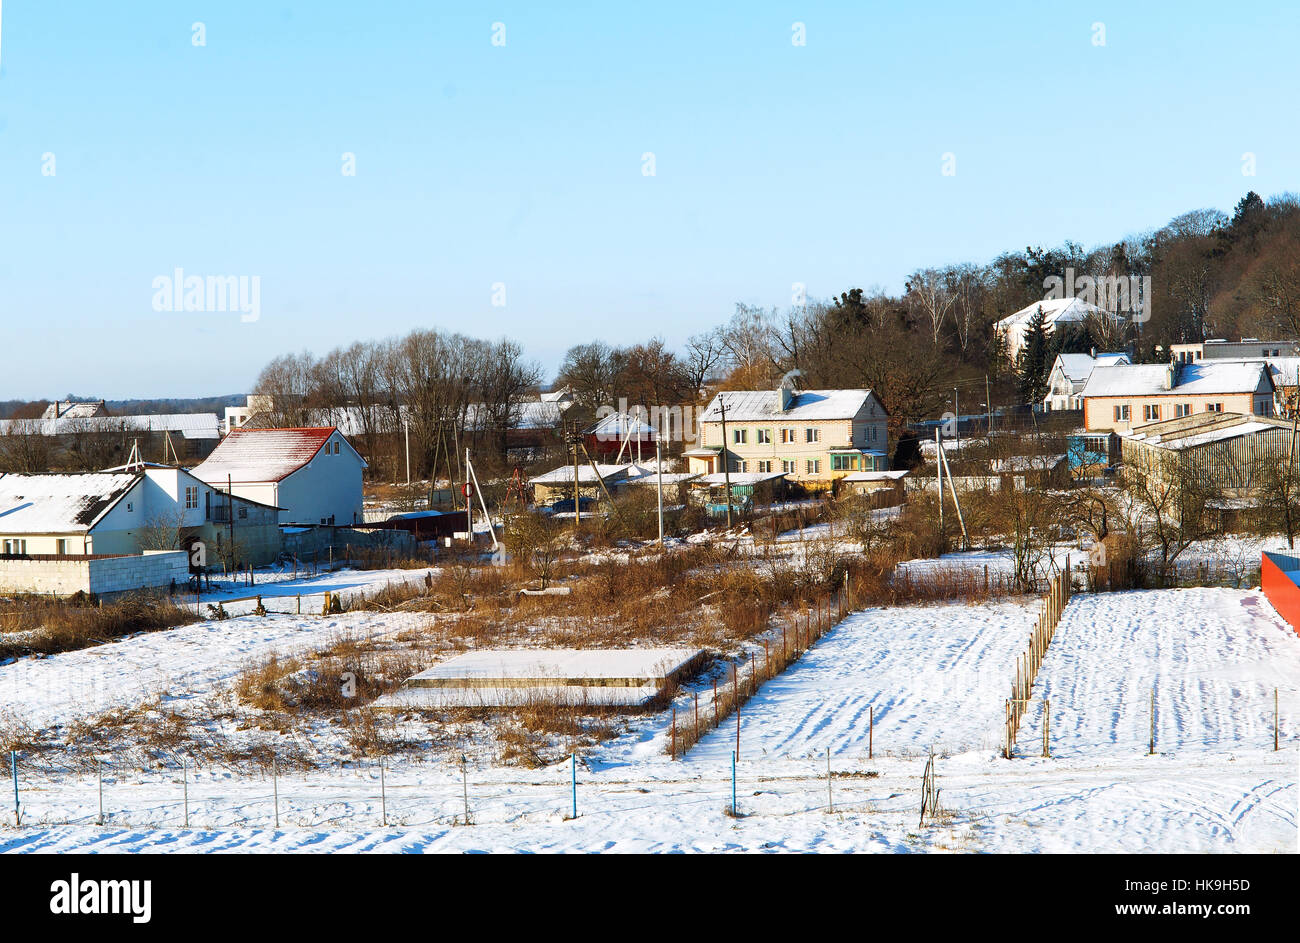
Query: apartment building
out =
(811, 437)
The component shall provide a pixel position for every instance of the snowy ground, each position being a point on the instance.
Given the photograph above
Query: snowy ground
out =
(189, 661)
(936, 676)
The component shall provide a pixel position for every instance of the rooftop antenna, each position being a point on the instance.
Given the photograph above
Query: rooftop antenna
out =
(134, 460)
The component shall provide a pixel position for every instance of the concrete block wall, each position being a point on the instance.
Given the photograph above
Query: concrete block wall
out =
(151, 570)
(60, 577)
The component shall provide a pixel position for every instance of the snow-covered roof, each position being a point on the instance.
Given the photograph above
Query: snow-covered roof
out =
(742, 479)
(1078, 367)
(71, 410)
(1020, 463)
(1284, 371)
(531, 414)
(586, 475)
(59, 503)
(257, 455)
(1204, 377)
(1202, 429)
(188, 425)
(805, 405)
(894, 475)
(620, 425)
(652, 477)
(1054, 310)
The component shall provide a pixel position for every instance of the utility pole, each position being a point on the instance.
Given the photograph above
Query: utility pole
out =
(406, 429)
(956, 410)
(659, 485)
(726, 466)
(1290, 459)
(230, 511)
(938, 471)
(577, 505)
(988, 401)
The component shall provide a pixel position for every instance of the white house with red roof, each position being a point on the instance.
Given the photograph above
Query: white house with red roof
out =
(313, 475)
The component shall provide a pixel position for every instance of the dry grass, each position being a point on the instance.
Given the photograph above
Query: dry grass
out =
(50, 626)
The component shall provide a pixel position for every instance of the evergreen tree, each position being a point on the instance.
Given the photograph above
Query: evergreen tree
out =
(1032, 364)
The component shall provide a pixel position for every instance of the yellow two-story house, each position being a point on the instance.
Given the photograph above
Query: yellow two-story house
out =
(810, 436)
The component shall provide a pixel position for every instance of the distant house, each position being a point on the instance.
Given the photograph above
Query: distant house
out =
(165, 436)
(73, 410)
(129, 511)
(558, 484)
(620, 437)
(1014, 328)
(312, 474)
(747, 489)
(1245, 349)
(1129, 396)
(1069, 376)
(878, 483)
(810, 436)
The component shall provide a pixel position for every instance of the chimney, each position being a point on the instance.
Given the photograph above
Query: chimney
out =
(1169, 376)
(783, 396)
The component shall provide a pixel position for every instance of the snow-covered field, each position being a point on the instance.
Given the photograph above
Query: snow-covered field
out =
(188, 661)
(936, 676)
(1213, 659)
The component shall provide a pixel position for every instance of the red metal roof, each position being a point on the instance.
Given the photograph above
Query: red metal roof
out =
(248, 455)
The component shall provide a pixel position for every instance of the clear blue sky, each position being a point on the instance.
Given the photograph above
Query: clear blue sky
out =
(521, 163)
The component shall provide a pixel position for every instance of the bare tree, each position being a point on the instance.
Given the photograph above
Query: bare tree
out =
(24, 447)
(928, 288)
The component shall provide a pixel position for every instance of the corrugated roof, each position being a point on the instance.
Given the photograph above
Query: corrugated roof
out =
(189, 425)
(251, 455)
(59, 504)
(763, 405)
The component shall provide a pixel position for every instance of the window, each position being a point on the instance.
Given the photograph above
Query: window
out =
(15, 547)
(812, 435)
(1151, 413)
(129, 507)
(1264, 407)
(787, 468)
(1121, 414)
(191, 497)
(739, 436)
(763, 436)
(788, 436)
(765, 467)
(842, 462)
(1264, 352)
(814, 466)
(337, 446)
(61, 546)
(874, 433)
(742, 467)
(243, 514)
(1182, 409)
(1214, 407)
